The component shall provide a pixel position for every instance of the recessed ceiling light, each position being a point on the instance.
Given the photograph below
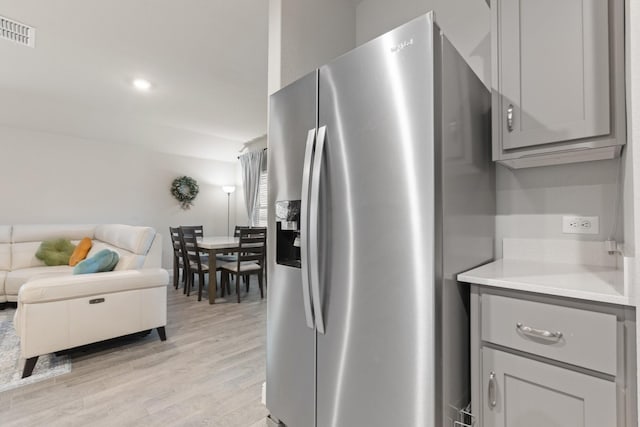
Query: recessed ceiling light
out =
(141, 85)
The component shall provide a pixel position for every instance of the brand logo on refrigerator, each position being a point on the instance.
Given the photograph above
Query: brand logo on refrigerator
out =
(403, 45)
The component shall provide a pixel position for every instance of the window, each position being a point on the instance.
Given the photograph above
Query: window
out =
(261, 220)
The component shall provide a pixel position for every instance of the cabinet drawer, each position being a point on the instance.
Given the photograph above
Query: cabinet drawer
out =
(579, 337)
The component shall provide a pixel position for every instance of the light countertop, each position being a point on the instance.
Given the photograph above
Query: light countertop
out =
(586, 282)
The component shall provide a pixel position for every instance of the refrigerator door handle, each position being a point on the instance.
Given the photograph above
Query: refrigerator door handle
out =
(314, 206)
(304, 226)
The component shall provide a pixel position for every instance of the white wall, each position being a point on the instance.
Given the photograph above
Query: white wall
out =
(531, 202)
(466, 23)
(49, 178)
(305, 34)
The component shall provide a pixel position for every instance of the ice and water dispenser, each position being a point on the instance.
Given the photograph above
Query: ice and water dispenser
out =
(288, 233)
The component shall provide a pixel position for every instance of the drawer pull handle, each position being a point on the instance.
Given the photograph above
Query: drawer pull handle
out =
(96, 301)
(538, 333)
(491, 390)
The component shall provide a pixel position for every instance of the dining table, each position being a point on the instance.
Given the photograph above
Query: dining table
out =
(214, 245)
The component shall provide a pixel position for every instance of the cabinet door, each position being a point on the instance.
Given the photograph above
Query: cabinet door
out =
(528, 393)
(553, 76)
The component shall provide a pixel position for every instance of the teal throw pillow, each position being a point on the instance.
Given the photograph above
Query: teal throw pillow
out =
(105, 260)
(55, 251)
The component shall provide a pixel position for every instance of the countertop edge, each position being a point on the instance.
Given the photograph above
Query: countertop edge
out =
(546, 290)
(492, 275)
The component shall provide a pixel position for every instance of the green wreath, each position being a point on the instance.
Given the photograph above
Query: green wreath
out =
(185, 189)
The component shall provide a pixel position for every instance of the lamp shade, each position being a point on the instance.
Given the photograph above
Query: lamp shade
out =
(228, 188)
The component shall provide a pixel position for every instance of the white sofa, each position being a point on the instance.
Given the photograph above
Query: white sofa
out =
(57, 310)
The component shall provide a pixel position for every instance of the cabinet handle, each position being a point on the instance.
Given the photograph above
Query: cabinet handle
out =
(538, 333)
(491, 391)
(510, 118)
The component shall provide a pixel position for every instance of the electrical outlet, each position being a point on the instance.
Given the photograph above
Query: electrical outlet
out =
(580, 224)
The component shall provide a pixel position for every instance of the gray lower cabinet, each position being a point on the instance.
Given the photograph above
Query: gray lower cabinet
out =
(540, 360)
(557, 81)
(524, 392)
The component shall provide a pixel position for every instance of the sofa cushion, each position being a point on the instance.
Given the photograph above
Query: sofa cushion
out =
(5, 247)
(5, 233)
(27, 238)
(17, 278)
(81, 251)
(23, 255)
(105, 260)
(128, 260)
(132, 238)
(5, 256)
(3, 277)
(55, 251)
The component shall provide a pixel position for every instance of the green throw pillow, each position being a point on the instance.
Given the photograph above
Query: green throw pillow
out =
(105, 260)
(55, 252)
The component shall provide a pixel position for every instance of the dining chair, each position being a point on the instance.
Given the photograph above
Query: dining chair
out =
(198, 231)
(232, 257)
(244, 227)
(178, 257)
(236, 233)
(196, 263)
(251, 250)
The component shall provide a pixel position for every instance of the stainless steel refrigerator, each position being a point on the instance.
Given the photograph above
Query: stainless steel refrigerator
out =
(381, 190)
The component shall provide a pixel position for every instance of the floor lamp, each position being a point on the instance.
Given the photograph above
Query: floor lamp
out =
(228, 189)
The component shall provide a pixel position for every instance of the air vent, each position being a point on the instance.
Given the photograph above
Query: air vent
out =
(16, 32)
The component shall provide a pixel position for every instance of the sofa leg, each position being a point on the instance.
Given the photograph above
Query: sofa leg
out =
(162, 333)
(28, 366)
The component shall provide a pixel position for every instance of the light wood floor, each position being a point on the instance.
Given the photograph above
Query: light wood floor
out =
(209, 372)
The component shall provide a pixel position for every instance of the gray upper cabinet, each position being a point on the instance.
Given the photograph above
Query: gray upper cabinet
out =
(558, 81)
(555, 71)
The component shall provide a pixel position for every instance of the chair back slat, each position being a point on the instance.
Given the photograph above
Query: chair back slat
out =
(250, 259)
(197, 230)
(236, 231)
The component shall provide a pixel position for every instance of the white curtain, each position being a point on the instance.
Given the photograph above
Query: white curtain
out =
(251, 163)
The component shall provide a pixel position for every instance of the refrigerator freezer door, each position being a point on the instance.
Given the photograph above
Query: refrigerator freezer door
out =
(290, 343)
(375, 362)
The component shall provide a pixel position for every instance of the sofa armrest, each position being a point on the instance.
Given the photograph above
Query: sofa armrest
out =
(84, 285)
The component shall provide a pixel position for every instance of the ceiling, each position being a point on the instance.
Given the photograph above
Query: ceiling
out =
(206, 60)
